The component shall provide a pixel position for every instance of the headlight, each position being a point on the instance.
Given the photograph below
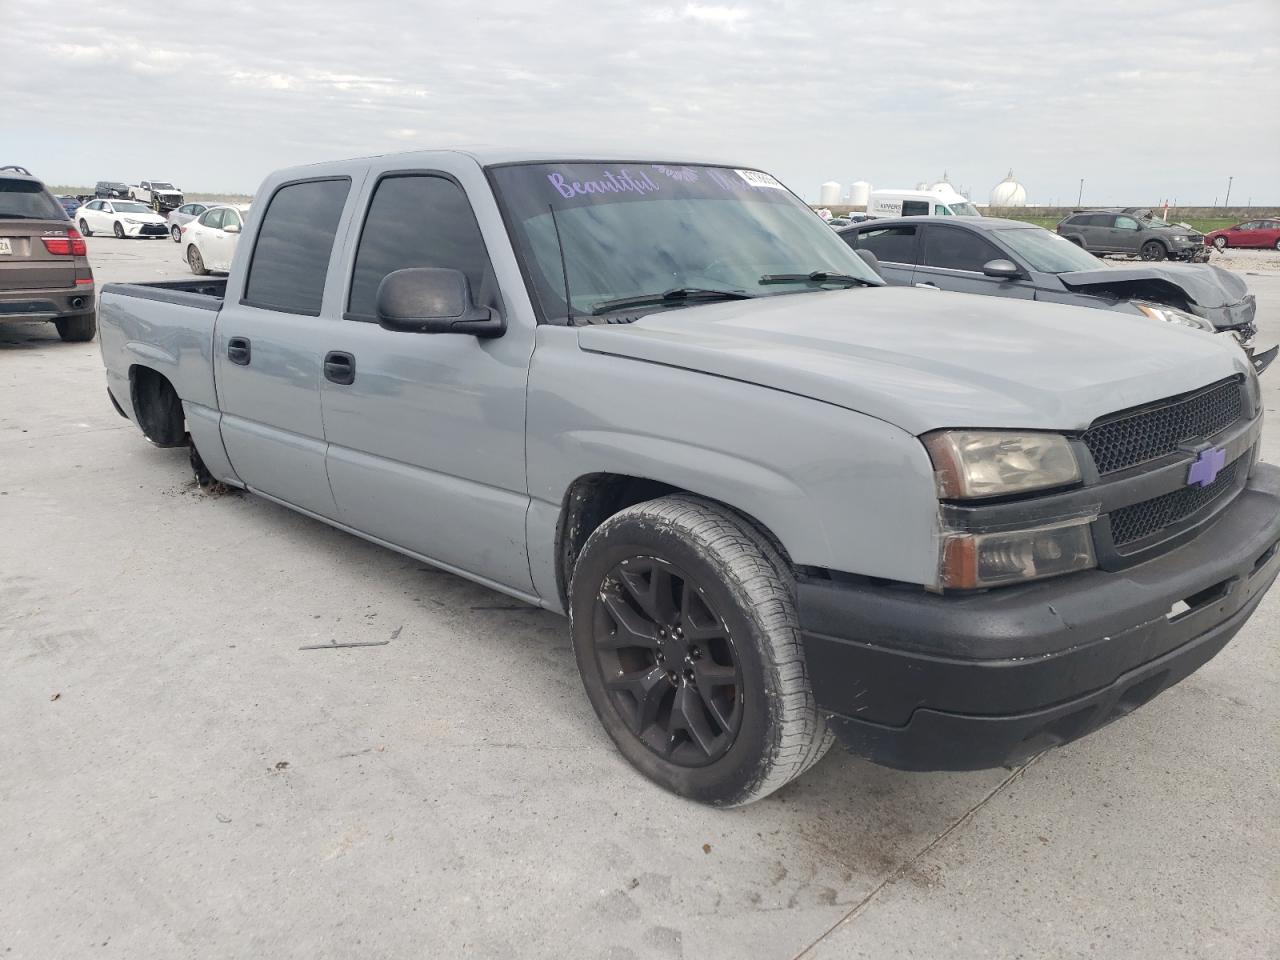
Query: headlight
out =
(974, 560)
(1176, 316)
(992, 463)
(134, 222)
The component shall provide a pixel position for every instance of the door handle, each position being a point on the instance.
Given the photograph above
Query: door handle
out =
(238, 350)
(927, 285)
(339, 367)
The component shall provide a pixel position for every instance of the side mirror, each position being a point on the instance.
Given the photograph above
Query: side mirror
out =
(1001, 269)
(232, 228)
(870, 260)
(433, 300)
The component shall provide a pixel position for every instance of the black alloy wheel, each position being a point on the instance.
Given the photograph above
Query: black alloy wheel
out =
(668, 661)
(1153, 250)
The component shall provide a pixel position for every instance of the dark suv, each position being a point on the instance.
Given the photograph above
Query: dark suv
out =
(44, 267)
(1133, 231)
(111, 189)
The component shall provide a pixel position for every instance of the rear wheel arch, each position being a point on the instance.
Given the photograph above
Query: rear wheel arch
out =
(157, 408)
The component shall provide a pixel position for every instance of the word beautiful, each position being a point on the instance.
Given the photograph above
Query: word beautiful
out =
(622, 183)
(606, 182)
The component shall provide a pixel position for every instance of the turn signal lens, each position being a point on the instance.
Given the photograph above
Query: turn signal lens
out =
(974, 560)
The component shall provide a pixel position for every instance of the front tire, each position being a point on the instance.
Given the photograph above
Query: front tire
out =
(686, 636)
(1221, 243)
(77, 329)
(118, 230)
(1153, 250)
(196, 262)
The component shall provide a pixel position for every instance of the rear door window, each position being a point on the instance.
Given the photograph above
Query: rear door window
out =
(955, 249)
(291, 256)
(416, 221)
(889, 244)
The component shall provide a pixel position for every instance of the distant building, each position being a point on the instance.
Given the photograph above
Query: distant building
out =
(1009, 193)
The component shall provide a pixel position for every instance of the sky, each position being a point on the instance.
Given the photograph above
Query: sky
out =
(1146, 100)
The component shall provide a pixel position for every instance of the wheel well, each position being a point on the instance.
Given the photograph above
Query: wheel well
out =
(157, 407)
(594, 498)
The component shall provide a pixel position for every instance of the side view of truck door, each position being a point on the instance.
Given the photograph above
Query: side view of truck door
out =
(425, 432)
(415, 440)
(267, 345)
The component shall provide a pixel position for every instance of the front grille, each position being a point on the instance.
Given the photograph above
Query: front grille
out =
(1141, 520)
(154, 230)
(1128, 439)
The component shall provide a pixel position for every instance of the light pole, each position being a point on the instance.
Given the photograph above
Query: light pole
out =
(1227, 200)
(1080, 195)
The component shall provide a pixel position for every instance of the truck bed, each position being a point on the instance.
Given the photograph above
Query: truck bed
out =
(166, 326)
(204, 293)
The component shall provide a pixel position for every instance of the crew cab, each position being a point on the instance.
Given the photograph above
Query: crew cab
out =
(160, 195)
(779, 501)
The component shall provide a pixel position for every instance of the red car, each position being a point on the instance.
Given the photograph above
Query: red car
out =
(1251, 233)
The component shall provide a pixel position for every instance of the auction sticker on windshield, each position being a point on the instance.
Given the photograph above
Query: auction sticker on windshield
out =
(758, 179)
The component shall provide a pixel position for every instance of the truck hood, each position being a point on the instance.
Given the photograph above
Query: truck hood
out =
(923, 360)
(1200, 284)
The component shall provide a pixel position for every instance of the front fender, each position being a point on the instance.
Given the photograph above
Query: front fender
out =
(838, 489)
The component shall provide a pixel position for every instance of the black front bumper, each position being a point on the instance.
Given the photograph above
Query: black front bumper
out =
(926, 682)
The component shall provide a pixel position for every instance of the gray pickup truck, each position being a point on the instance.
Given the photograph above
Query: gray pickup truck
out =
(949, 531)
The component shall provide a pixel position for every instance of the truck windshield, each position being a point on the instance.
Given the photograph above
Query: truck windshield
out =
(159, 185)
(637, 230)
(1048, 252)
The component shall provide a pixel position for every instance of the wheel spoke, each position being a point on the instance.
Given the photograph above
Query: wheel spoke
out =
(687, 714)
(651, 592)
(717, 709)
(696, 620)
(633, 630)
(710, 674)
(648, 686)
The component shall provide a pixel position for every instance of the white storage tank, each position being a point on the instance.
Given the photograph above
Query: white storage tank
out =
(1009, 193)
(859, 193)
(829, 194)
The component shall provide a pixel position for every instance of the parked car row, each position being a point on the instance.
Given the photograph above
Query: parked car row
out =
(160, 195)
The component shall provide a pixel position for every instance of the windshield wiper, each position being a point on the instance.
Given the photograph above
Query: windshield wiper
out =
(677, 295)
(818, 276)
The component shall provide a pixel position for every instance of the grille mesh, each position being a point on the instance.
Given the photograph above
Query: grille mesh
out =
(1143, 435)
(1151, 516)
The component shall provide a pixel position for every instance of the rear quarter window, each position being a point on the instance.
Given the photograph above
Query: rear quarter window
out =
(291, 253)
(889, 244)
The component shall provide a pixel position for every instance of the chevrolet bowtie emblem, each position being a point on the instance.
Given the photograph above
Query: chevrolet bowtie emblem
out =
(1206, 466)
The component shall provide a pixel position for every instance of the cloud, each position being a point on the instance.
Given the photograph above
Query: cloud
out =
(1145, 100)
